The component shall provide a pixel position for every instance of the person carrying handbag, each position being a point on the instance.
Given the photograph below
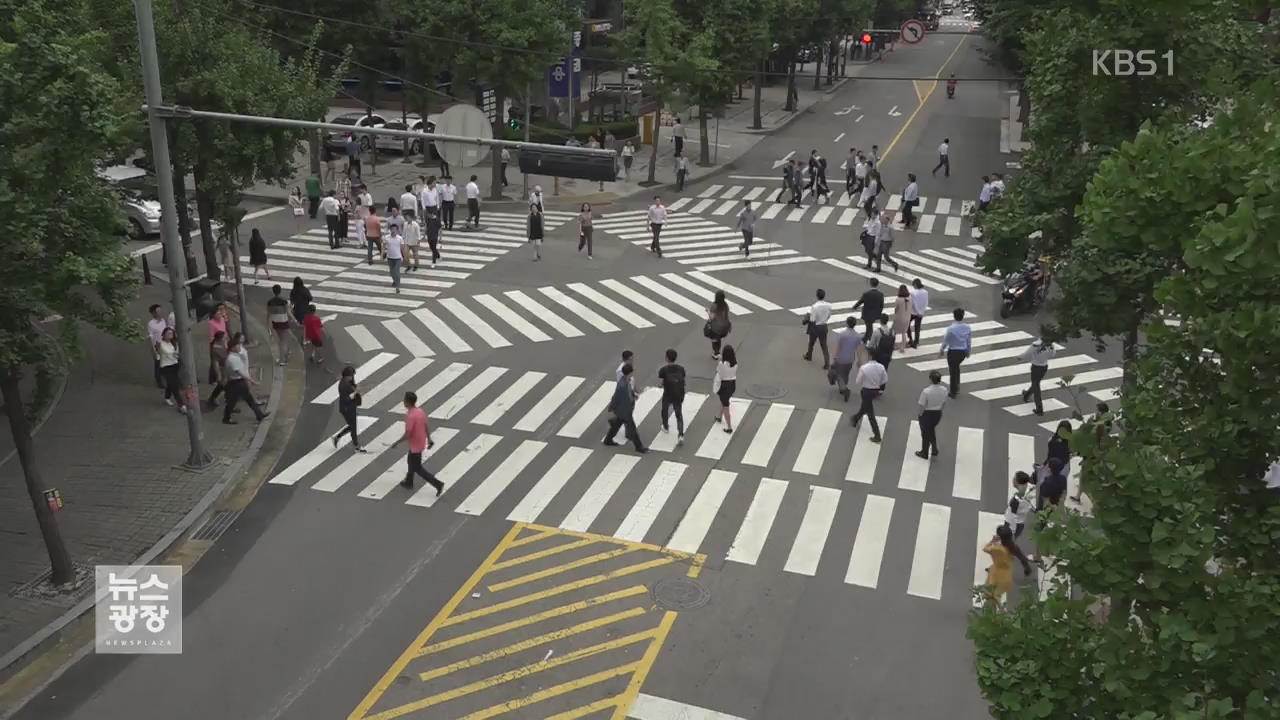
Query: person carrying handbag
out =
(718, 325)
(349, 401)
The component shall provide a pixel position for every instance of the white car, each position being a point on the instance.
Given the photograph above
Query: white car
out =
(337, 141)
(137, 189)
(415, 123)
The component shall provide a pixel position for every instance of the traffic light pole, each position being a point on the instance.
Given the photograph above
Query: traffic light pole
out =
(199, 458)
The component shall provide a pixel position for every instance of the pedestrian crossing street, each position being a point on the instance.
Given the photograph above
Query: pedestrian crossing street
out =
(553, 312)
(705, 245)
(344, 283)
(936, 215)
(996, 369)
(790, 488)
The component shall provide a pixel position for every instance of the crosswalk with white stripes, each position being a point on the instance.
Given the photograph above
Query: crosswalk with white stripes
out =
(702, 244)
(525, 445)
(343, 282)
(503, 319)
(995, 371)
(942, 269)
(941, 216)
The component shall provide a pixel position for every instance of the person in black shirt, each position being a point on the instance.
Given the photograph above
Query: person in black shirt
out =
(672, 377)
(1060, 446)
(872, 304)
(299, 299)
(1054, 485)
(348, 401)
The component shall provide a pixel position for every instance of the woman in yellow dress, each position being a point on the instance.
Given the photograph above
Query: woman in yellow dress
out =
(1000, 575)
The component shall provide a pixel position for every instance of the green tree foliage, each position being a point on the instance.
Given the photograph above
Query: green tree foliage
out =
(655, 32)
(61, 117)
(1181, 554)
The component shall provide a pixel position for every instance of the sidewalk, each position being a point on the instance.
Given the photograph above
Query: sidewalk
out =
(114, 450)
(736, 138)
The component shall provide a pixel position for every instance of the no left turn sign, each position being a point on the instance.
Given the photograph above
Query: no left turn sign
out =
(912, 32)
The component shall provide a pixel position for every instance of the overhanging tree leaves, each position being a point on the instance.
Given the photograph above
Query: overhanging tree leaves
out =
(655, 32)
(61, 117)
(1184, 530)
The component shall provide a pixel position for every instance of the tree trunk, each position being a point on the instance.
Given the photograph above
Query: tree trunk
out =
(313, 151)
(790, 105)
(495, 155)
(204, 205)
(817, 70)
(1129, 355)
(59, 559)
(757, 122)
(704, 139)
(653, 150)
(180, 200)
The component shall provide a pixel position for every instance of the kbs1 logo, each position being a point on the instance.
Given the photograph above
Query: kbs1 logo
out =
(1128, 63)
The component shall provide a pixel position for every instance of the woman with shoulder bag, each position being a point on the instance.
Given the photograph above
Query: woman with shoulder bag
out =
(718, 323)
(348, 402)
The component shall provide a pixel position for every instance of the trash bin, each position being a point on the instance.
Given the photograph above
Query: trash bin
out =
(204, 297)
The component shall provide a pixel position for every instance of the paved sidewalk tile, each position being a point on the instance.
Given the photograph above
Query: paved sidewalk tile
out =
(113, 449)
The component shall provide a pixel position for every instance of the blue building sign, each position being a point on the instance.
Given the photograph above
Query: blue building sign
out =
(558, 77)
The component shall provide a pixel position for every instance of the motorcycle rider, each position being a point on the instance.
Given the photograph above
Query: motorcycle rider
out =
(951, 86)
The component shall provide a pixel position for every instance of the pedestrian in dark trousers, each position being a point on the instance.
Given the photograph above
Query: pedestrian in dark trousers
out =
(884, 242)
(449, 201)
(872, 304)
(1038, 354)
(871, 381)
(718, 323)
(797, 193)
(787, 170)
(672, 377)
(870, 237)
(240, 383)
(682, 172)
(725, 384)
(217, 368)
(816, 321)
(418, 434)
(910, 199)
(621, 408)
(848, 341)
(955, 346)
(332, 211)
(473, 203)
(944, 157)
(373, 233)
(882, 342)
(585, 228)
(747, 224)
(1020, 503)
(433, 238)
(353, 158)
(657, 217)
(155, 329)
(348, 404)
(170, 369)
(850, 171)
(677, 134)
(535, 232)
(506, 159)
(932, 400)
(313, 196)
(919, 304)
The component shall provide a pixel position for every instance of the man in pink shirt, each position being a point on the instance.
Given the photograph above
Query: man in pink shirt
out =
(418, 435)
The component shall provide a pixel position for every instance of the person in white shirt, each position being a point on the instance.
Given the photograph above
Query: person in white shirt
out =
(429, 199)
(657, 216)
(408, 203)
(919, 304)
(628, 156)
(725, 383)
(869, 192)
(677, 134)
(944, 157)
(366, 198)
(910, 199)
(505, 160)
(535, 200)
(330, 208)
(1038, 354)
(884, 242)
(997, 186)
(1020, 504)
(860, 174)
(392, 251)
(449, 201)
(817, 319)
(682, 171)
(870, 236)
(412, 239)
(747, 224)
(155, 329)
(871, 381)
(984, 195)
(850, 166)
(473, 203)
(874, 156)
(932, 399)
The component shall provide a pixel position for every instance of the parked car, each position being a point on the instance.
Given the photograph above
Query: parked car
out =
(416, 124)
(141, 199)
(336, 142)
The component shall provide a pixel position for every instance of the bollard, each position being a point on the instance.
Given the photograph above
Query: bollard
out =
(146, 270)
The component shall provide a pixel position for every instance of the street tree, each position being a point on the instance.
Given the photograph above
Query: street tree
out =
(57, 269)
(486, 32)
(655, 32)
(1175, 575)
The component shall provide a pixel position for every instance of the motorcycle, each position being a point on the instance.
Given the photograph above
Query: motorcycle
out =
(1023, 290)
(951, 90)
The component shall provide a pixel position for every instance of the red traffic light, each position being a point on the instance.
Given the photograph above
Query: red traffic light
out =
(866, 38)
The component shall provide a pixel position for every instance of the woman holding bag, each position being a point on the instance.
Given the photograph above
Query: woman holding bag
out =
(348, 402)
(718, 323)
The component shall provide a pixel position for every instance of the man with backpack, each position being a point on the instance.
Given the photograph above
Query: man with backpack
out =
(882, 342)
(673, 381)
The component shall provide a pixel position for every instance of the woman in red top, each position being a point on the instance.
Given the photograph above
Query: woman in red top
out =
(313, 332)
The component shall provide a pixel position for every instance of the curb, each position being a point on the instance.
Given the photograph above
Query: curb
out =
(166, 543)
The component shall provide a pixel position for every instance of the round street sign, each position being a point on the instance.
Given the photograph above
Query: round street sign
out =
(912, 32)
(463, 121)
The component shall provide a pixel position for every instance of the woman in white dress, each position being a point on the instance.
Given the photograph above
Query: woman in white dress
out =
(902, 315)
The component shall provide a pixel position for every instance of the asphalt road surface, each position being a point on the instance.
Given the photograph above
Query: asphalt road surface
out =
(791, 569)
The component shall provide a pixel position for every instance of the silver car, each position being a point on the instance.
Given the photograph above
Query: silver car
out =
(137, 189)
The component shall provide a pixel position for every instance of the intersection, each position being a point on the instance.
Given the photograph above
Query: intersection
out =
(790, 569)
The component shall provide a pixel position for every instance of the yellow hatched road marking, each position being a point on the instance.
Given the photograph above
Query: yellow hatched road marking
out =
(555, 691)
(627, 543)
(541, 554)
(585, 710)
(436, 623)
(528, 670)
(556, 570)
(628, 696)
(533, 538)
(545, 615)
(532, 642)
(558, 590)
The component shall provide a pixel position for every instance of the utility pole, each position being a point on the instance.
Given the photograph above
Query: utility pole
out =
(528, 98)
(199, 457)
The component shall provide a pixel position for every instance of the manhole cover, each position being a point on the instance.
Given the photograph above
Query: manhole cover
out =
(679, 594)
(766, 392)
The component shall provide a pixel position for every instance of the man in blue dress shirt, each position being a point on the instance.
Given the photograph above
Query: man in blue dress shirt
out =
(956, 344)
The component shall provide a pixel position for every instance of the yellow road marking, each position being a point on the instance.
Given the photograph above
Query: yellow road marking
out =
(558, 590)
(921, 103)
(535, 537)
(555, 691)
(556, 570)
(625, 543)
(412, 651)
(916, 86)
(628, 696)
(585, 710)
(526, 671)
(541, 554)
(532, 642)
(545, 615)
